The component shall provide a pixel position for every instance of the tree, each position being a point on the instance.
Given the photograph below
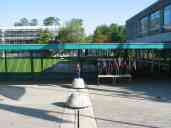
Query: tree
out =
(22, 22)
(34, 22)
(51, 21)
(111, 33)
(118, 33)
(102, 34)
(17, 24)
(45, 37)
(72, 31)
(88, 39)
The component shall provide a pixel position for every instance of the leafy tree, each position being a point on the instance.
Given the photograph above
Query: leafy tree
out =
(72, 31)
(102, 34)
(111, 33)
(51, 21)
(34, 22)
(17, 24)
(88, 39)
(118, 33)
(22, 22)
(45, 37)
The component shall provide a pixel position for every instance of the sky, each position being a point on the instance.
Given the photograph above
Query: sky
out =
(93, 12)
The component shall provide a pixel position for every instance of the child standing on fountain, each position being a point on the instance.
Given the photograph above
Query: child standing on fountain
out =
(78, 70)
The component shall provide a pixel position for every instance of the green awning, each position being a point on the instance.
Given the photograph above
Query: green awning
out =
(74, 46)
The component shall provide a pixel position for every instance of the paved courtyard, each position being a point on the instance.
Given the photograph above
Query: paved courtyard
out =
(138, 104)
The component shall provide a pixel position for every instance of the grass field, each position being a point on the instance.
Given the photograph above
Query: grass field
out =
(24, 64)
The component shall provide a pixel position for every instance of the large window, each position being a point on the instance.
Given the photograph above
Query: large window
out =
(167, 17)
(155, 21)
(144, 25)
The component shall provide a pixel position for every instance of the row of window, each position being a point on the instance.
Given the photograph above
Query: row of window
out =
(24, 36)
(20, 35)
(154, 21)
(21, 31)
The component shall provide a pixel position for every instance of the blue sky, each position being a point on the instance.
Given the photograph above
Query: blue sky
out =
(93, 12)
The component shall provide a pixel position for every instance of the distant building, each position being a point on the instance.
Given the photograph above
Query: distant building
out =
(23, 34)
(152, 24)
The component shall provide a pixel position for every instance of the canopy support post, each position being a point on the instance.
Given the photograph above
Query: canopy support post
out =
(31, 62)
(152, 66)
(170, 65)
(42, 64)
(5, 57)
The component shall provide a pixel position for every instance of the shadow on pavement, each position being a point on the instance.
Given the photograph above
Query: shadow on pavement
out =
(36, 113)
(120, 122)
(12, 92)
(154, 90)
(59, 104)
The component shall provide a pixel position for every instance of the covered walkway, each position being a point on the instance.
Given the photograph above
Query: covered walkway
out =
(37, 61)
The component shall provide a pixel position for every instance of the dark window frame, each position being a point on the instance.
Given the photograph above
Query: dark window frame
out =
(156, 15)
(167, 26)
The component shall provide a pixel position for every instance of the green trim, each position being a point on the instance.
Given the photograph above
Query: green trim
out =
(74, 46)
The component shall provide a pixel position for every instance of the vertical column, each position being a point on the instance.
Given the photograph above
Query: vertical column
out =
(152, 65)
(6, 67)
(42, 64)
(170, 65)
(125, 54)
(162, 20)
(136, 54)
(31, 61)
(79, 53)
(148, 54)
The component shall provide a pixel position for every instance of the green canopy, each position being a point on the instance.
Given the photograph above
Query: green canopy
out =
(72, 46)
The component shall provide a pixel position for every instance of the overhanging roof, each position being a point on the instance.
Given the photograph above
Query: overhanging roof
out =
(72, 46)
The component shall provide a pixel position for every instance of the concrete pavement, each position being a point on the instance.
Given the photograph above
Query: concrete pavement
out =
(33, 106)
(139, 104)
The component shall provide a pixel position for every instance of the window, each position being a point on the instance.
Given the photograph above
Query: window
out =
(167, 17)
(144, 25)
(155, 21)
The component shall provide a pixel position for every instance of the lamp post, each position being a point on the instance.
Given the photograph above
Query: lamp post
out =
(77, 100)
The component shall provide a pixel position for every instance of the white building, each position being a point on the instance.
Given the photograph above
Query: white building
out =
(24, 34)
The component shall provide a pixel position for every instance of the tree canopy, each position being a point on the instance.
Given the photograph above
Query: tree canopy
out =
(72, 31)
(22, 22)
(26, 22)
(111, 33)
(34, 22)
(49, 21)
(45, 37)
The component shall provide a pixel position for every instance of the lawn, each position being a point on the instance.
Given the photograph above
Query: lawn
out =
(24, 64)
